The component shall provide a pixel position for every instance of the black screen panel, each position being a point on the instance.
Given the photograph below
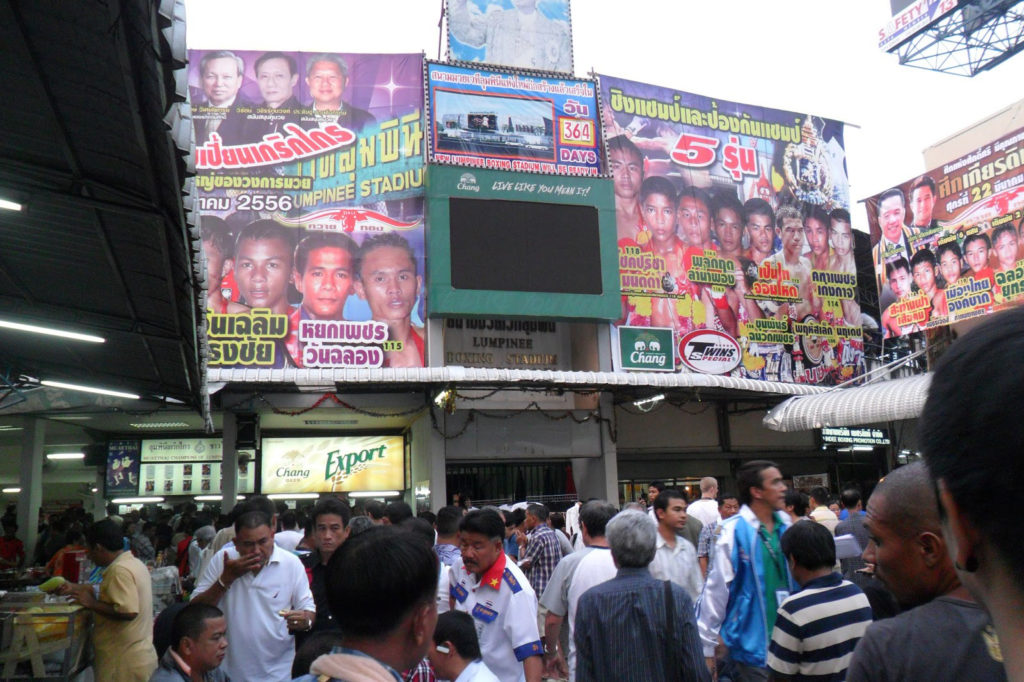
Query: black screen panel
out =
(499, 245)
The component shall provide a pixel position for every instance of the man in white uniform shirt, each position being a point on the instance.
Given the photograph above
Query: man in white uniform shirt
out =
(264, 593)
(494, 591)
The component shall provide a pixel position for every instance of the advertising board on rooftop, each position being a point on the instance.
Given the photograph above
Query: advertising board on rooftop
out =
(732, 218)
(307, 165)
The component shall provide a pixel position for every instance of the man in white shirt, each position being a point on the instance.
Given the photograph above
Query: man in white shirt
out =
(820, 511)
(456, 652)
(498, 596)
(675, 558)
(264, 593)
(706, 508)
(291, 536)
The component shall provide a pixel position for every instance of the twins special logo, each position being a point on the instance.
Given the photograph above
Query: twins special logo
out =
(467, 183)
(710, 352)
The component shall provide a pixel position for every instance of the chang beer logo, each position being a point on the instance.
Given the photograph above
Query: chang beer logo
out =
(646, 348)
(467, 183)
(341, 466)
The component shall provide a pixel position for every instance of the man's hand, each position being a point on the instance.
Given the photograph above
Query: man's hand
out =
(521, 538)
(236, 568)
(712, 667)
(79, 593)
(298, 621)
(555, 666)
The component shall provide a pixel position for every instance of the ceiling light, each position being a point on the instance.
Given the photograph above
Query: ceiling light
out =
(5, 427)
(70, 418)
(294, 496)
(50, 331)
(379, 493)
(9, 205)
(212, 498)
(329, 422)
(94, 490)
(66, 455)
(11, 491)
(159, 425)
(649, 402)
(88, 389)
(136, 500)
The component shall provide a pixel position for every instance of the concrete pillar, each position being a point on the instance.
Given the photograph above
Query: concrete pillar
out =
(31, 484)
(99, 507)
(438, 480)
(599, 476)
(229, 463)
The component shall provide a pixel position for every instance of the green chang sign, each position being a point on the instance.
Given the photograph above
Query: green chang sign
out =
(646, 348)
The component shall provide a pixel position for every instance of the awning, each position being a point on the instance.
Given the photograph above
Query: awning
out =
(883, 401)
(515, 377)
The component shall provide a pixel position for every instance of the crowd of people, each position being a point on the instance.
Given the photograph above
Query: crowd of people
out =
(732, 586)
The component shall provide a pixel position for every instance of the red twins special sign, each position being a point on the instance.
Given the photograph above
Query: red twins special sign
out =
(709, 351)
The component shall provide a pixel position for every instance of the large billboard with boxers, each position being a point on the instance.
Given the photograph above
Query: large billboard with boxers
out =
(734, 237)
(947, 245)
(310, 175)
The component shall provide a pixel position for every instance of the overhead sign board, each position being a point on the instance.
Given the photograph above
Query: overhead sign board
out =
(848, 436)
(329, 464)
(645, 349)
(914, 17)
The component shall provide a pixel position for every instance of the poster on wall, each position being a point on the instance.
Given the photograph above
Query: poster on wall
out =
(734, 233)
(527, 34)
(331, 464)
(309, 172)
(191, 478)
(947, 246)
(122, 476)
(503, 120)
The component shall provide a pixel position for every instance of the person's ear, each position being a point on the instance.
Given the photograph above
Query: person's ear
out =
(932, 547)
(421, 629)
(961, 532)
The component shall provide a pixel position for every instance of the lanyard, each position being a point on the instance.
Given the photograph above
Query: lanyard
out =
(763, 534)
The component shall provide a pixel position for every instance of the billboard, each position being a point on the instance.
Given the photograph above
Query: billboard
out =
(329, 464)
(911, 16)
(947, 245)
(191, 478)
(122, 475)
(735, 219)
(307, 167)
(526, 35)
(503, 120)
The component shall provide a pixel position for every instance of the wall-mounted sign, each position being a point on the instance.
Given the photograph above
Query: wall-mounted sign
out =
(122, 468)
(808, 481)
(645, 348)
(191, 478)
(508, 344)
(710, 352)
(328, 464)
(182, 450)
(847, 436)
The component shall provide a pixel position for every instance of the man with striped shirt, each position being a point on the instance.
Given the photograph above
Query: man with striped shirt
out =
(816, 629)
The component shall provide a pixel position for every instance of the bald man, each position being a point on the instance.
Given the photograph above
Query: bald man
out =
(945, 634)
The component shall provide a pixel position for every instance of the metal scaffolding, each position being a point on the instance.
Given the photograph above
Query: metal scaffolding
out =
(974, 37)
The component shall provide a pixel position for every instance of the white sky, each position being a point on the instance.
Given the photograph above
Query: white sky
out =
(816, 56)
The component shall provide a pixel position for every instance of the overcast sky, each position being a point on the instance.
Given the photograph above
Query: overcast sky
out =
(816, 56)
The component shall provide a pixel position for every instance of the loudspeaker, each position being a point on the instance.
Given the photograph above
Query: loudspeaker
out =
(95, 455)
(247, 431)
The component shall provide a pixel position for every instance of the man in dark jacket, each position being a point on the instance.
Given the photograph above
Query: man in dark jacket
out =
(198, 645)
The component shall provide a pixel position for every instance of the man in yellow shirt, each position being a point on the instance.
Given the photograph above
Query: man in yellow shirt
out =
(123, 632)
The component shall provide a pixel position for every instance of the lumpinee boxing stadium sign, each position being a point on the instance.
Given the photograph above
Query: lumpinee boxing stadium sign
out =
(333, 464)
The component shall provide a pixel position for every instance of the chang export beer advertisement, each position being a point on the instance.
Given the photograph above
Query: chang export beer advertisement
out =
(332, 464)
(947, 245)
(512, 121)
(733, 219)
(526, 35)
(309, 173)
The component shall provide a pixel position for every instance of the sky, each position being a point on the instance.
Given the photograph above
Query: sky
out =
(808, 56)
